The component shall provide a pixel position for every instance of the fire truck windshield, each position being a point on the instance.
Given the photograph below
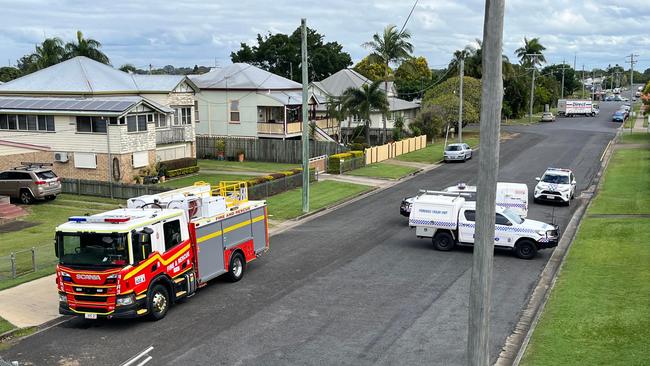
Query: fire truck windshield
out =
(92, 249)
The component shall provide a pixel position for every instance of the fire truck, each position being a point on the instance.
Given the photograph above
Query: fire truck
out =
(139, 260)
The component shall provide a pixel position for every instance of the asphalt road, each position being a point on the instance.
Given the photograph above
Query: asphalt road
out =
(354, 286)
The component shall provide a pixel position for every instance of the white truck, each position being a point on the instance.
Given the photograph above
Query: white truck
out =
(448, 219)
(575, 107)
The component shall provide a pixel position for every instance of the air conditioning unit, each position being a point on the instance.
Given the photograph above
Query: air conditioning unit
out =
(61, 157)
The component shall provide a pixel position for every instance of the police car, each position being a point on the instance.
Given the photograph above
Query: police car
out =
(556, 185)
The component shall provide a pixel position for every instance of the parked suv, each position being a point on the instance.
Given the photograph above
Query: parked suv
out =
(30, 182)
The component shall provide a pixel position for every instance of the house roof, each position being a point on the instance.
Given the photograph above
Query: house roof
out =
(396, 104)
(243, 76)
(106, 106)
(81, 75)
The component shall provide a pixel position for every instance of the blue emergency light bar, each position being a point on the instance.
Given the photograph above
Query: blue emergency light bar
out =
(77, 219)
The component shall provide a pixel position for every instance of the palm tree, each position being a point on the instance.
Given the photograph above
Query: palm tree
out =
(390, 48)
(526, 53)
(473, 55)
(48, 53)
(360, 101)
(86, 47)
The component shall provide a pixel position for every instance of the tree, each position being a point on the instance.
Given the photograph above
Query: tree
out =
(473, 55)
(529, 48)
(393, 47)
(471, 91)
(128, 68)
(360, 101)
(8, 73)
(570, 81)
(87, 47)
(413, 69)
(281, 54)
(48, 53)
(373, 71)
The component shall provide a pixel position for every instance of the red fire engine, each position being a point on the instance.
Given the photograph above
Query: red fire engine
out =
(139, 260)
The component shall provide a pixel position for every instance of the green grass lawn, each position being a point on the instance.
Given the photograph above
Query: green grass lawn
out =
(5, 326)
(288, 205)
(46, 216)
(626, 185)
(635, 138)
(383, 170)
(213, 179)
(433, 152)
(245, 166)
(598, 311)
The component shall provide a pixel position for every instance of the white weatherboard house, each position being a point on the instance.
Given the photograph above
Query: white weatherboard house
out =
(91, 120)
(336, 84)
(241, 100)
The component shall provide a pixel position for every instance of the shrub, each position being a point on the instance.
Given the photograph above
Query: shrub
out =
(359, 146)
(182, 171)
(178, 163)
(334, 164)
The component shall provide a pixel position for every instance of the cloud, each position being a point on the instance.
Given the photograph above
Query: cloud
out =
(188, 32)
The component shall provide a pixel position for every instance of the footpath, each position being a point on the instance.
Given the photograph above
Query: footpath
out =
(35, 303)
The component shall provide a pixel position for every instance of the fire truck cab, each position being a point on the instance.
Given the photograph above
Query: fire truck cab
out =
(139, 260)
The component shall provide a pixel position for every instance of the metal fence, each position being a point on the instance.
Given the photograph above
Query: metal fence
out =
(271, 150)
(104, 189)
(351, 164)
(22, 262)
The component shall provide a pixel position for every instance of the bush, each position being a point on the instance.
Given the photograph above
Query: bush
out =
(359, 146)
(334, 164)
(182, 171)
(178, 164)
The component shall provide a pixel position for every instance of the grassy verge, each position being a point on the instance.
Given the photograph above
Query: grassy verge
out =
(245, 166)
(433, 152)
(635, 138)
(44, 216)
(383, 170)
(597, 313)
(5, 326)
(288, 205)
(213, 179)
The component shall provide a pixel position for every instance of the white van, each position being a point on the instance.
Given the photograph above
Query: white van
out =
(509, 195)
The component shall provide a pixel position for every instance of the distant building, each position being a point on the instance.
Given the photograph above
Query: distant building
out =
(81, 112)
(241, 100)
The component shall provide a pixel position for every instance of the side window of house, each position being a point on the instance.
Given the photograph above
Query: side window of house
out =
(196, 111)
(470, 215)
(172, 232)
(234, 111)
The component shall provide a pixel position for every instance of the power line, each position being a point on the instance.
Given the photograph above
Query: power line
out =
(408, 17)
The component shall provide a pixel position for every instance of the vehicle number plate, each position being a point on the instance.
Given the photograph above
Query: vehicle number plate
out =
(90, 316)
(550, 197)
(52, 184)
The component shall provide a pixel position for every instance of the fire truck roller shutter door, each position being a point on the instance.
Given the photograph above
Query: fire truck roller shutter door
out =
(259, 229)
(210, 242)
(236, 230)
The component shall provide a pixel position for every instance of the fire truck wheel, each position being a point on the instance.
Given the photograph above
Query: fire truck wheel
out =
(525, 249)
(237, 267)
(443, 241)
(158, 302)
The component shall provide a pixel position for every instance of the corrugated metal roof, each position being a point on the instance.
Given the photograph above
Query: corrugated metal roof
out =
(100, 105)
(286, 98)
(85, 76)
(396, 104)
(243, 76)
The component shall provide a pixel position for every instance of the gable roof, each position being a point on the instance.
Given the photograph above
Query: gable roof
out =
(341, 80)
(243, 76)
(81, 75)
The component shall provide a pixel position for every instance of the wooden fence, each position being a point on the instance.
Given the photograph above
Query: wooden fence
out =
(271, 150)
(393, 149)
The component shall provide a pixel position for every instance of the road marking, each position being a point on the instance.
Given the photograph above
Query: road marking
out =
(143, 357)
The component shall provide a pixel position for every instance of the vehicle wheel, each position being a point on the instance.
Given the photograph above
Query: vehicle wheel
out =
(443, 242)
(158, 302)
(26, 197)
(525, 249)
(236, 268)
(535, 200)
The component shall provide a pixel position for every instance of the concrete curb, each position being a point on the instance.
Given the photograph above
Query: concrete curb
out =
(8, 336)
(516, 344)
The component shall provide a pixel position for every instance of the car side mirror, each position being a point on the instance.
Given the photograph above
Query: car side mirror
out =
(538, 179)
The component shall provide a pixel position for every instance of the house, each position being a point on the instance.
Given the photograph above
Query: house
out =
(336, 84)
(95, 122)
(241, 100)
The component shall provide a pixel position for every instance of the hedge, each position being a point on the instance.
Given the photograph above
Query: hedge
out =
(334, 164)
(182, 171)
(176, 164)
(275, 176)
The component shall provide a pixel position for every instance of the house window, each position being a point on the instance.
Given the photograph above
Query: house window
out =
(85, 160)
(136, 123)
(234, 111)
(161, 120)
(196, 111)
(30, 122)
(93, 124)
(182, 116)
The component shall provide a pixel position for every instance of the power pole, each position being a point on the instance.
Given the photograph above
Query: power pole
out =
(562, 89)
(460, 108)
(478, 353)
(583, 81)
(305, 122)
(532, 85)
(632, 61)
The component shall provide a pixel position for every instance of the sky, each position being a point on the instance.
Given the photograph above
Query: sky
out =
(205, 32)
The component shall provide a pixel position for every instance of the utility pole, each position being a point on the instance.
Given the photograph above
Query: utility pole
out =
(583, 81)
(632, 61)
(562, 89)
(532, 85)
(478, 353)
(460, 107)
(305, 120)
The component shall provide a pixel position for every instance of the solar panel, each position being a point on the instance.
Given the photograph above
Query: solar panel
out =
(68, 104)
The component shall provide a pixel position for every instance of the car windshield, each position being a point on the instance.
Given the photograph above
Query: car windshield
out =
(556, 179)
(454, 148)
(48, 174)
(92, 249)
(512, 216)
